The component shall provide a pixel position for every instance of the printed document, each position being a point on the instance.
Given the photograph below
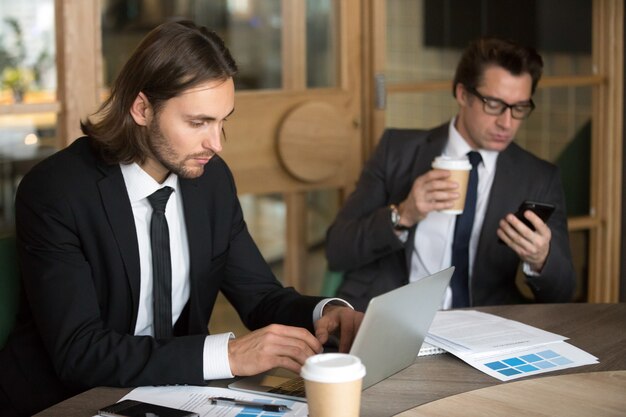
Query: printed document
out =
(505, 349)
(196, 399)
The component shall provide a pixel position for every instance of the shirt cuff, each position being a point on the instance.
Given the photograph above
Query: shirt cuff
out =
(403, 235)
(319, 308)
(528, 270)
(215, 360)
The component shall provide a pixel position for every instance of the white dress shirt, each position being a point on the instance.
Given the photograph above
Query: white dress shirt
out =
(139, 186)
(434, 234)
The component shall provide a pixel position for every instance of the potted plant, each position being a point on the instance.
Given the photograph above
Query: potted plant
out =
(18, 80)
(15, 74)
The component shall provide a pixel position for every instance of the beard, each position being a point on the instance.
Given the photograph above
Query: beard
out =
(165, 154)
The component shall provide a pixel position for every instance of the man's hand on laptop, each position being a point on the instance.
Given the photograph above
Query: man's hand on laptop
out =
(338, 319)
(274, 346)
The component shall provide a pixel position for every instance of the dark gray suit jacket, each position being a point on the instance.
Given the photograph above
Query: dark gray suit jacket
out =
(79, 260)
(362, 244)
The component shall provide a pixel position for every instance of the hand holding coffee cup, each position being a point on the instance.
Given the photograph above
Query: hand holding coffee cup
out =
(459, 172)
(332, 382)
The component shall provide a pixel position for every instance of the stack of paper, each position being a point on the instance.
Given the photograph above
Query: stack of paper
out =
(504, 349)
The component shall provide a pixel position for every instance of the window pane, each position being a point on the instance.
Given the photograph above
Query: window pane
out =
(321, 39)
(250, 28)
(419, 110)
(266, 215)
(425, 37)
(24, 141)
(27, 51)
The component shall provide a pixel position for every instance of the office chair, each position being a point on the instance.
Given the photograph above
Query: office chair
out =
(9, 286)
(332, 281)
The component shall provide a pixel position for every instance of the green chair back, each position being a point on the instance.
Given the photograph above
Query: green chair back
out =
(332, 281)
(9, 286)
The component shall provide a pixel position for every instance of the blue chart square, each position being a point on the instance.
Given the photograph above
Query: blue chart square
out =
(247, 414)
(544, 364)
(509, 372)
(561, 360)
(547, 354)
(514, 361)
(496, 365)
(527, 368)
(531, 358)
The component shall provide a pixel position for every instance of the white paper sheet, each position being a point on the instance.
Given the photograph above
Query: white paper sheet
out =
(195, 398)
(504, 349)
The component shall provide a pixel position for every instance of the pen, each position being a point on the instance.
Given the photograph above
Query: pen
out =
(241, 403)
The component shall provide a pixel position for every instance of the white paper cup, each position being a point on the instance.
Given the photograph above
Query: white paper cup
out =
(332, 382)
(459, 172)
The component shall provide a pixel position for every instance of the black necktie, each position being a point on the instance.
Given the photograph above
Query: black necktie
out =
(161, 264)
(462, 234)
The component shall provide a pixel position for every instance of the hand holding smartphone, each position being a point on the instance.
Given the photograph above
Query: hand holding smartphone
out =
(542, 210)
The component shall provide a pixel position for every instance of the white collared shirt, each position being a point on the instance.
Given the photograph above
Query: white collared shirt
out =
(139, 186)
(434, 234)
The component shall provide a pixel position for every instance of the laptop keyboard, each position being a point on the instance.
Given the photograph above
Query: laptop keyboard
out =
(293, 387)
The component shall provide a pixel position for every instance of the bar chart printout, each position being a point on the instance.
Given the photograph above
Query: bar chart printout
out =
(504, 349)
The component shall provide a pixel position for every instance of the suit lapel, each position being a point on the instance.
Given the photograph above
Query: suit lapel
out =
(431, 147)
(198, 226)
(506, 182)
(120, 216)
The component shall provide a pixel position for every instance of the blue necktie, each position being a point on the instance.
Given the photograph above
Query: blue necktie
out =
(161, 264)
(462, 233)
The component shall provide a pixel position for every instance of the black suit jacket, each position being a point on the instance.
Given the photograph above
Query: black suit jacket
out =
(79, 260)
(361, 241)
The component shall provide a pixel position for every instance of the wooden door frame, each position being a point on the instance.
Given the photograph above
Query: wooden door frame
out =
(79, 64)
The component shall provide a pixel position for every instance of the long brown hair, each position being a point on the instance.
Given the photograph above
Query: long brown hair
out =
(172, 58)
(486, 51)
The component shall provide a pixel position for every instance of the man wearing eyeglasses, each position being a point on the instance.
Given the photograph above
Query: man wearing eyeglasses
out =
(392, 230)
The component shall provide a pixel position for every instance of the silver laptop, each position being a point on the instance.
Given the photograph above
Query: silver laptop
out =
(389, 339)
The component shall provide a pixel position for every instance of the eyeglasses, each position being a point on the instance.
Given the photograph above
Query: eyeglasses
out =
(495, 106)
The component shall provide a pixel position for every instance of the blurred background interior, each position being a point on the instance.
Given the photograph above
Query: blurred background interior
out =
(319, 80)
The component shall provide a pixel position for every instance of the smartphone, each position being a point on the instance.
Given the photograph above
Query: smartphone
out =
(542, 210)
(132, 408)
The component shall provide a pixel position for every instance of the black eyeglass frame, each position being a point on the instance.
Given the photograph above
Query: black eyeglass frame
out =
(517, 107)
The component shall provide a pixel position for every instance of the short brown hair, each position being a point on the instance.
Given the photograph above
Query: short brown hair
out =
(172, 58)
(487, 51)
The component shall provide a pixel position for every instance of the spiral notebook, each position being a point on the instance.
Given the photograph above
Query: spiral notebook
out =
(427, 349)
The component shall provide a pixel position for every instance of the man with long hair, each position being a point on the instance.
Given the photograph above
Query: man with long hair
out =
(97, 309)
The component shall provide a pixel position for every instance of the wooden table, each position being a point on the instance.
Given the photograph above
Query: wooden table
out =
(599, 329)
(597, 394)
